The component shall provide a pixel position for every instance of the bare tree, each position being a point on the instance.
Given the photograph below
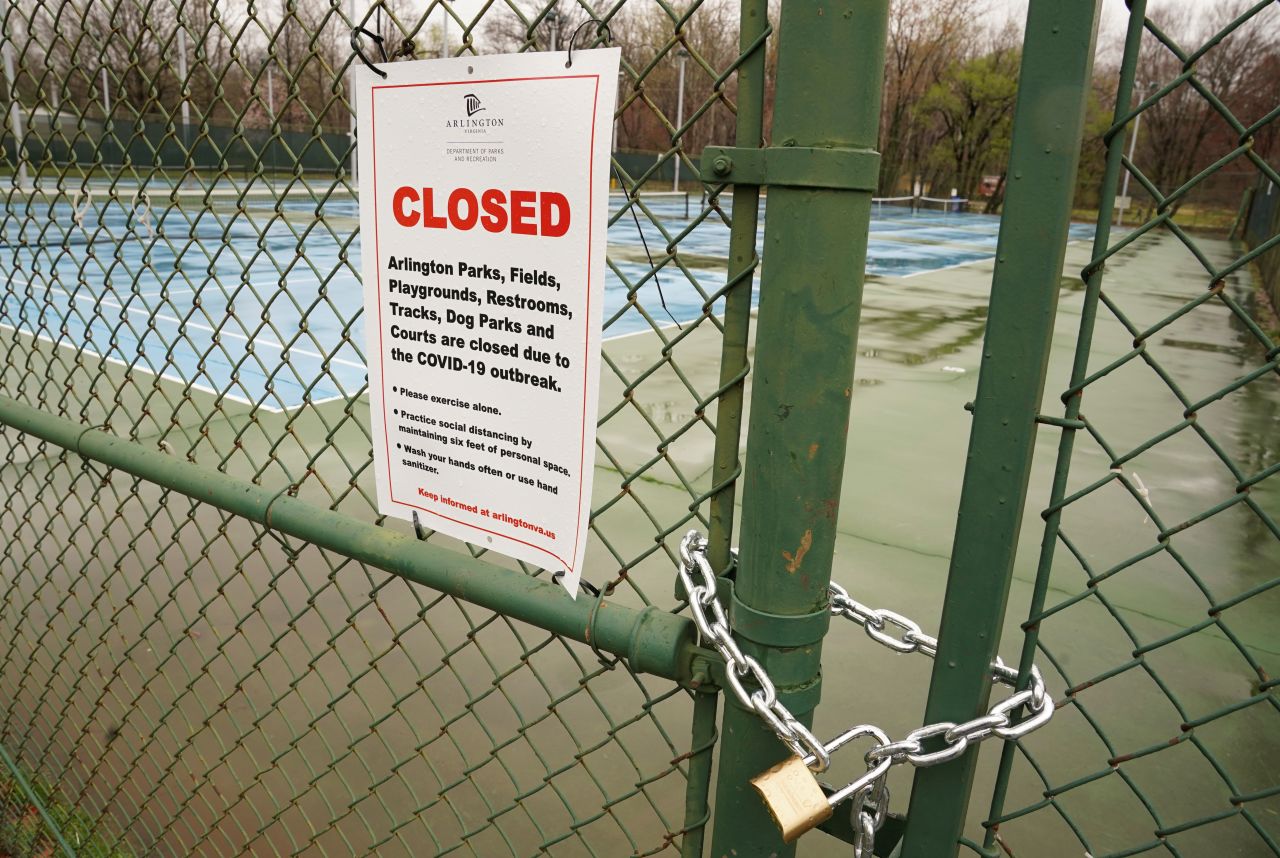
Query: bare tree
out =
(926, 37)
(131, 39)
(1178, 128)
(653, 48)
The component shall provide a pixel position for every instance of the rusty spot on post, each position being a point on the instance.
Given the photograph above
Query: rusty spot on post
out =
(794, 561)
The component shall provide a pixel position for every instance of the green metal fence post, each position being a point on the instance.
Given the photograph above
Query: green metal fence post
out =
(737, 299)
(754, 25)
(1053, 90)
(1066, 444)
(830, 65)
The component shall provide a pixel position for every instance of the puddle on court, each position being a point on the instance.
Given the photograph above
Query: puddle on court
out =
(906, 454)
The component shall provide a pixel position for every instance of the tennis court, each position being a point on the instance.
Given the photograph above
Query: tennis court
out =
(210, 289)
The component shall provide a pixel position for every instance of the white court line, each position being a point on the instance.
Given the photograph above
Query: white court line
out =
(943, 268)
(665, 326)
(668, 325)
(147, 370)
(970, 262)
(322, 401)
(199, 327)
(165, 292)
(178, 378)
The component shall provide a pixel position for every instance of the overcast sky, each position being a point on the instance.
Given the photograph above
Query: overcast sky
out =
(1112, 25)
(1114, 13)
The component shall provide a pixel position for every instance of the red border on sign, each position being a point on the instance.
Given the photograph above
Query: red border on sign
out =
(386, 435)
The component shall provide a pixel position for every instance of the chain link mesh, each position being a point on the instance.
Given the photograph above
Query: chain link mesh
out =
(179, 244)
(1154, 614)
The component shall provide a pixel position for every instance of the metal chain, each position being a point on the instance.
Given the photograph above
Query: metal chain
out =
(870, 792)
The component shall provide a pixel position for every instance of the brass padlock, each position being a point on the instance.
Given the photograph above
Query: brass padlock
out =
(793, 797)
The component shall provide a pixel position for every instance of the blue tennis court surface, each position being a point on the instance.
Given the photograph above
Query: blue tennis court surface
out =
(156, 288)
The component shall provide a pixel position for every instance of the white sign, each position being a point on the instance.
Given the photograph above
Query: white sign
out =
(483, 213)
(1122, 202)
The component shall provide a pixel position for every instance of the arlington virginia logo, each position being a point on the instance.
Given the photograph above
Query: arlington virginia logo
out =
(474, 124)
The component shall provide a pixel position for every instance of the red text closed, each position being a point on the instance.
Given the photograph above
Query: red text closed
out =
(544, 213)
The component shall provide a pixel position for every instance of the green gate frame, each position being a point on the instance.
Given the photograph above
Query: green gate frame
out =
(1048, 125)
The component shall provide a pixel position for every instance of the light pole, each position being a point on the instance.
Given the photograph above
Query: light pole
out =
(271, 108)
(1133, 145)
(186, 105)
(682, 56)
(15, 115)
(553, 22)
(444, 31)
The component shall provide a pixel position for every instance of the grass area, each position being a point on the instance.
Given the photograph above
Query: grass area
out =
(1264, 309)
(24, 832)
(1211, 219)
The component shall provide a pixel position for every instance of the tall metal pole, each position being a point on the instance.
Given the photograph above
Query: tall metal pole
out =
(734, 344)
(1079, 372)
(15, 114)
(186, 105)
(271, 108)
(106, 95)
(683, 56)
(182, 75)
(1133, 145)
(351, 100)
(1057, 65)
(830, 68)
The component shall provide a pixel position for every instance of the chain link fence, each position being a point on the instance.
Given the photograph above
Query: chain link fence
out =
(181, 676)
(1155, 593)
(179, 236)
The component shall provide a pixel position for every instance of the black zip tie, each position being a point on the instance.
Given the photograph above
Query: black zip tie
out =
(407, 49)
(656, 280)
(603, 33)
(586, 585)
(355, 46)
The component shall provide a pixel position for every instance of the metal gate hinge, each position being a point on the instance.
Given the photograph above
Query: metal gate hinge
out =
(832, 167)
